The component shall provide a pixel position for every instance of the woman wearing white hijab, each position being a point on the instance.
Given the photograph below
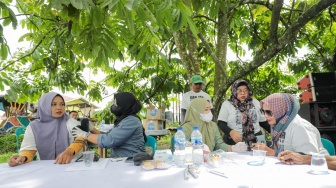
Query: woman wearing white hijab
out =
(49, 134)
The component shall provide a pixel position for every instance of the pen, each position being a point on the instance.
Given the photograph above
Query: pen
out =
(218, 173)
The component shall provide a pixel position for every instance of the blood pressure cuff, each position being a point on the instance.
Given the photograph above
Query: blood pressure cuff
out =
(138, 158)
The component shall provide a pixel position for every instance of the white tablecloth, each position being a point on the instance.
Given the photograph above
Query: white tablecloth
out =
(120, 174)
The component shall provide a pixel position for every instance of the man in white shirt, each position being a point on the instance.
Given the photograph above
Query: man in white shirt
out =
(196, 92)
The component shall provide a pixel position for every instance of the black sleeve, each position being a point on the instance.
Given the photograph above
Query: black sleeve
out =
(265, 125)
(224, 127)
(183, 113)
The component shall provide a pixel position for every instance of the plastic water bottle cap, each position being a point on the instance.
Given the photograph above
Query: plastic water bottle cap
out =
(195, 127)
(179, 128)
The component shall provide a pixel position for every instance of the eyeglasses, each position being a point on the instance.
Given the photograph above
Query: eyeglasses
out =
(242, 91)
(267, 112)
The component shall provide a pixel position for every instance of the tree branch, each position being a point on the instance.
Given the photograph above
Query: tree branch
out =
(206, 17)
(275, 21)
(290, 13)
(213, 55)
(17, 15)
(288, 36)
(157, 88)
(9, 64)
(317, 47)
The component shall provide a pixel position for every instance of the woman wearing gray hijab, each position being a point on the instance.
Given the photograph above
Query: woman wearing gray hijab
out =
(49, 135)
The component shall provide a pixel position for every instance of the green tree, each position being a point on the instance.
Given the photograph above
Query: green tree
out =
(163, 43)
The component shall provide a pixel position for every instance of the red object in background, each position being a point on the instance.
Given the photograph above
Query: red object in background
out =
(307, 96)
(305, 83)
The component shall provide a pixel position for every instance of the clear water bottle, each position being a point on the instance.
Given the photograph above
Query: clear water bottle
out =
(179, 154)
(197, 144)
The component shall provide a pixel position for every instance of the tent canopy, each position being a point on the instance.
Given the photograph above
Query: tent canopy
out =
(80, 103)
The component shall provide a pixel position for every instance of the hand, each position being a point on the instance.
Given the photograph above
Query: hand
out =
(77, 132)
(65, 157)
(235, 136)
(290, 157)
(262, 146)
(16, 160)
(239, 147)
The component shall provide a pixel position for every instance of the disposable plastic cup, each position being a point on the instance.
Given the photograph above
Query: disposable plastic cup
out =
(318, 165)
(88, 158)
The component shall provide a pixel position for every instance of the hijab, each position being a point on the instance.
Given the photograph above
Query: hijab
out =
(125, 104)
(284, 108)
(244, 108)
(51, 134)
(193, 118)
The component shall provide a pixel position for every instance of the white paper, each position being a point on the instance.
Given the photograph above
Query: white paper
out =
(118, 159)
(80, 166)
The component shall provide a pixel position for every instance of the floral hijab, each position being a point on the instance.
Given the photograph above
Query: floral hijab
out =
(244, 108)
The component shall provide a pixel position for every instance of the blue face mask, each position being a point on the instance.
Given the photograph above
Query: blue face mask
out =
(206, 117)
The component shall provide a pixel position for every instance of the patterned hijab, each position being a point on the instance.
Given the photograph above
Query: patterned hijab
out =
(284, 108)
(193, 118)
(51, 134)
(244, 108)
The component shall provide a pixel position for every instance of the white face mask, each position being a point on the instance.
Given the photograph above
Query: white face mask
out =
(206, 117)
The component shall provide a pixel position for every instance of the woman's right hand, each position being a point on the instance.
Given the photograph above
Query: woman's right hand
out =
(235, 136)
(16, 160)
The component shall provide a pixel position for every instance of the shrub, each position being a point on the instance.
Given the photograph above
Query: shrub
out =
(8, 143)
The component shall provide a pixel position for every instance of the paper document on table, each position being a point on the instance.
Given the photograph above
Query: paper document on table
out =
(80, 166)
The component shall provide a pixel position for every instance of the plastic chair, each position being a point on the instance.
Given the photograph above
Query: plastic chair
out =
(328, 145)
(19, 131)
(151, 142)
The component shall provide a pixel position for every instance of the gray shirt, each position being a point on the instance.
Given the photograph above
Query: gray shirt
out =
(125, 140)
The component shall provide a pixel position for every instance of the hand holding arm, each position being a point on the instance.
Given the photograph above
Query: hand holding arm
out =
(16, 160)
(77, 132)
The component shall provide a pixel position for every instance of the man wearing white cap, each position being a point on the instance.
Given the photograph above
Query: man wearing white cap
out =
(195, 92)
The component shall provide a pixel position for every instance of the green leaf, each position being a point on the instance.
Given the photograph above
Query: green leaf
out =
(132, 4)
(4, 51)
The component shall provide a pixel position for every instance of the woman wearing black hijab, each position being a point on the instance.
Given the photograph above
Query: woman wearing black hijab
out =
(127, 138)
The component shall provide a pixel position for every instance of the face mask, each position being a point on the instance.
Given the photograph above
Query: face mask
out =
(115, 109)
(206, 117)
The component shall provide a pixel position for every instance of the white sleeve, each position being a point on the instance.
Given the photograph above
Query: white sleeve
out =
(28, 142)
(304, 140)
(224, 112)
(185, 101)
(71, 123)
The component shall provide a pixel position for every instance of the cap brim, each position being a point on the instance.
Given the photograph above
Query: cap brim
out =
(199, 82)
